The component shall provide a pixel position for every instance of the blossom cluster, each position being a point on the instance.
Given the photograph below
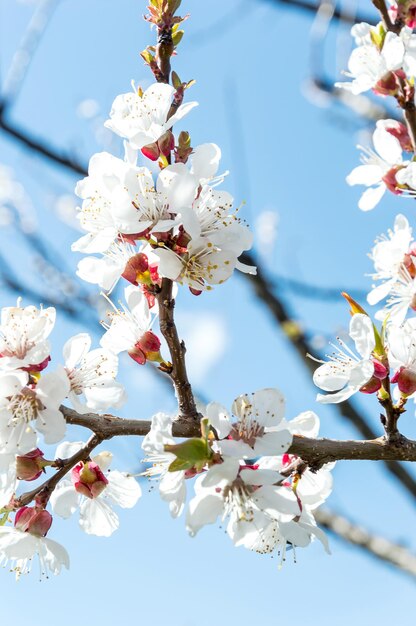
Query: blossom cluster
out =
(384, 361)
(243, 473)
(30, 416)
(145, 227)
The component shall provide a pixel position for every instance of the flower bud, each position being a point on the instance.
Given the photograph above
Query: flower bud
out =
(380, 370)
(406, 380)
(149, 342)
(31, 465)
(33, 520)
(373, 385)
(166, 143)
(88, 479)
(151, 151)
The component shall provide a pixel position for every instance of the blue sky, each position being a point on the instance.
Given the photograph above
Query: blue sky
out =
(251, 60)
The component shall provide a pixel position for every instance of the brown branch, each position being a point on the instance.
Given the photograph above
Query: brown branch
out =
(379, 547)
(388, 24)
(44, 491)
(179, 376)
(316, 452)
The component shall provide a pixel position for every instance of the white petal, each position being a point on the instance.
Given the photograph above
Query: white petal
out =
(122, 490)
(98, 518)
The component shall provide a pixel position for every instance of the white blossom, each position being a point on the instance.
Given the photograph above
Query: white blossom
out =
(23, 336)
(142, 117)
(377, 166)
(345, 373)
(368, 64)
(119, 199)
(26, 411)
(92, 375)
(17, 550)
(256, 430)
(94, 490)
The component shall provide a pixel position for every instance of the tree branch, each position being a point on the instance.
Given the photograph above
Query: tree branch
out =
(186, 401)
(316, 452)
(379, 547)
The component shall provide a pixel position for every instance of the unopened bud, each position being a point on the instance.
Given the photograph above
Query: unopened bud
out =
(31, 465)
(373, 385)
(380, 370)
(33, 520)
(166, 143)
(406, 380)
(151, 151)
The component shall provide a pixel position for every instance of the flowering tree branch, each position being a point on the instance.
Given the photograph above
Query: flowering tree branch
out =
(315, 452)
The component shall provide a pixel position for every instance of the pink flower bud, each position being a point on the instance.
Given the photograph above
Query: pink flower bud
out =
(166, 143)
(137, 355)
(380, 370)
(406, 380)
(151, 151)
(88, 479)
(373, 385)
(30, 466)
(149, 342)
(33, 520)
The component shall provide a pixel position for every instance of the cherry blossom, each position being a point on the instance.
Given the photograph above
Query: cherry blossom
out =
(22, 405)
(256, 430)
(379, 169)
(92, 375)
(130, 329)
(27, 539)
(23, 337)
(393, 259)
(377, 56)
(346, 373)
(119, 199)
(234, 491)
(94, 490)
(142, 118)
